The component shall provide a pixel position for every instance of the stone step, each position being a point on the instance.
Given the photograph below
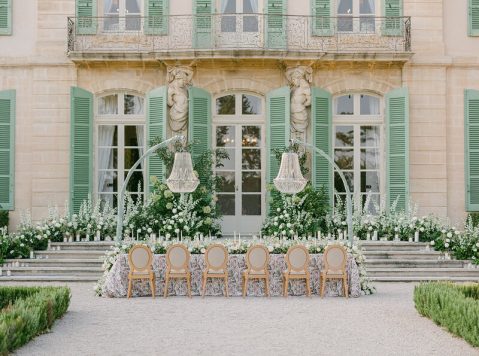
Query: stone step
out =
(402, 255)
(413, 263)
(392, 246)
(423, 279)
(69, 254)
(78, 246)
(423, 272)
(50, 278)
(45, 262)
(56, 270)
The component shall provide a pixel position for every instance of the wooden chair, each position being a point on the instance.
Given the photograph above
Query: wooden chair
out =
(257, 260)
(335, 258)
(297, 259)
(177, 266)
(140, 260)
(216, 259)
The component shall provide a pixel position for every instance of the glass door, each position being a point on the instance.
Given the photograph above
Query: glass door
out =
(241, 194)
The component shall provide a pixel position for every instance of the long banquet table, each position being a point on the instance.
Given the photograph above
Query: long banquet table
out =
(116, 283)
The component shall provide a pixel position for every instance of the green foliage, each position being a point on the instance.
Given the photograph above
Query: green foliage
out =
(455, 307)
(28, 312)
(3, 218)
(472, 217)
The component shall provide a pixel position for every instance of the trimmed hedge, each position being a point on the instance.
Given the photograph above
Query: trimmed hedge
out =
(27, 312)
(453, 306)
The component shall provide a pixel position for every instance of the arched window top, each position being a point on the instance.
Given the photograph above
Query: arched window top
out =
(363, 104)
(120, 103)
(239, 104)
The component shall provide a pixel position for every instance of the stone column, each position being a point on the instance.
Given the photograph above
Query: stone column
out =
(179, 79)
(300, 78)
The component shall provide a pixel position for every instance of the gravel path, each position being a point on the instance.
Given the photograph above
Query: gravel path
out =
(383, 324)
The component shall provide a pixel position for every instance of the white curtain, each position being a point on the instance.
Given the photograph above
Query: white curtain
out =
(371, 6)
(254, 5)
(108, 105)
(224, 5)
(107, 8)
(105, 159)
(373, 105)
(137, 105)
(140, 135)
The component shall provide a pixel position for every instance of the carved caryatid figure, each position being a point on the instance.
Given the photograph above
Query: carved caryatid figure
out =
(179, 79)
(300, 81)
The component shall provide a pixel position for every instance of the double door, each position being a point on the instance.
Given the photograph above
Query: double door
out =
(241, 195)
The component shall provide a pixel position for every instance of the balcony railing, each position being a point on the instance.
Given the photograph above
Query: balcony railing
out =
(196, 34)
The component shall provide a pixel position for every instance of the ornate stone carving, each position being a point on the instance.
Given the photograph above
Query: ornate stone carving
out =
(179, 79)
(300, 78)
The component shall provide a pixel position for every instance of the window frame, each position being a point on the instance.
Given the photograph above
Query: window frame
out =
(238, 115)
(357, 120)
(355, 14)
(119, 120)
(122, 14)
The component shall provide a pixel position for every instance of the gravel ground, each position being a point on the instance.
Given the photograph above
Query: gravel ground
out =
(382, 324)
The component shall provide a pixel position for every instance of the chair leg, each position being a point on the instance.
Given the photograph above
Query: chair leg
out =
(345, 287)
(226, 286)
(308, 287)
(323, 285)
(167, 281)
(204, 285)
(266, 282)
(285, 292)
(188, 284)
(245, 285)
(129, 287)
(152, 286)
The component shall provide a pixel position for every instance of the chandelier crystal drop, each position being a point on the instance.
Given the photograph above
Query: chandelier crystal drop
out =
(182, 178)
(290, 180)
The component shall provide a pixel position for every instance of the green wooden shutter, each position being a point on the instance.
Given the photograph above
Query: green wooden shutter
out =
(156, 21)
(473, 18)
(393, 23)
(276, 32)
(199, 122)
(321, 20)
(321, 113)
(5, 17)
(7, 150)
(81, 141)
(471, 148)
(156, 128)
(278, 126)
(397, 119)
(202, 33)
(86, 13)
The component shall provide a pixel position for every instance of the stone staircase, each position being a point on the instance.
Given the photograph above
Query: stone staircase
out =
(386, 261)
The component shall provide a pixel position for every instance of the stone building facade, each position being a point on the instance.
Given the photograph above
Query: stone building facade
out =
(385, 86)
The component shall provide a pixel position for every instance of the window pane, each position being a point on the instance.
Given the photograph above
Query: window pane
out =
(131, 156)
(225, 136)
(338, 182)
(107, 181)
(111, 7)
(135, 184)
(111, 199)
(108, 105)
(251, 182)
(131, 135)
(111, 23)
(226, 202)
(132, 23)
(107, 135)
(366, 6)
(132, 6)
(371, 203)
(370, 158)
(251, 204)
(369, 105)
(366, 24)
(251, 105)
(370, 136)
(345, 24)
(225, 105)
(251, 136)
(345, 6)
(344, 158)
(251, 159)
(107, 158)
(344, 136)
(227, 183)
(345, 105)
(228, 163)
(133, 105)
(370, 182)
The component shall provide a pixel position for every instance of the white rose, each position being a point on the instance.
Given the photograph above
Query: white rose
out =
(278, 210)
(203, 250)
(433, 243)
(449, 234)
(149, 230)
(457, 232)
(177, 230)
(270, 248)
(446, 245)
(174, 211)
(421, 229)
(447, 240)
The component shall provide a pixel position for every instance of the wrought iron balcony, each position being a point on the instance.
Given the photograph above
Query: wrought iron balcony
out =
(243, 35)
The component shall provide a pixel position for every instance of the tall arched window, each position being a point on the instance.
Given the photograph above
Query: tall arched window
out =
(358, 142)
(120, 141)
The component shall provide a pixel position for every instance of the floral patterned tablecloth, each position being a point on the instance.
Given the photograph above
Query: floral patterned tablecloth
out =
(116, 283)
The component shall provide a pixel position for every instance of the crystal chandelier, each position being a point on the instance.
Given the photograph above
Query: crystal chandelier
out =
(182, 178)
(290, 180)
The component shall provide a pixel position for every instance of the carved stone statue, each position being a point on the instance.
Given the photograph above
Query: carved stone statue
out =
(300, 79)
(179, 79)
